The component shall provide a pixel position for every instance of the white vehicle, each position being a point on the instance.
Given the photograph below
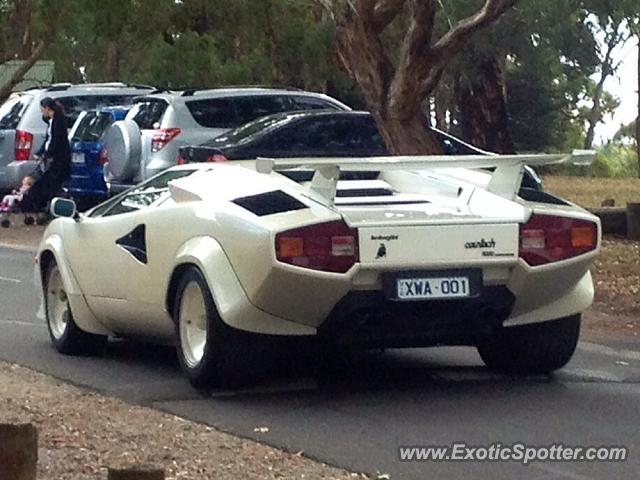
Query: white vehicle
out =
(373, 252)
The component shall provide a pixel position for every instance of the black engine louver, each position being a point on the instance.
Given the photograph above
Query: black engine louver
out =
(269, 203)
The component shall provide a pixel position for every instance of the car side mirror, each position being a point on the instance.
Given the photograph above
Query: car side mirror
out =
(63, 207)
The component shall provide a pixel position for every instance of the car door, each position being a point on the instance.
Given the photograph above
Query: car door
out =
(108, 253)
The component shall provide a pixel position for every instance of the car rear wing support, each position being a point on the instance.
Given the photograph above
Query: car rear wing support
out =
(505, 179)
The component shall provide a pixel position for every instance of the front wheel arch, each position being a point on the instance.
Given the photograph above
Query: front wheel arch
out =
(174, 281)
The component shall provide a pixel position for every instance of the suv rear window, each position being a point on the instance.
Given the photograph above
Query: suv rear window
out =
(232, 112)
(73, 106)
(92, 127)
(11, 112)
(149, 112)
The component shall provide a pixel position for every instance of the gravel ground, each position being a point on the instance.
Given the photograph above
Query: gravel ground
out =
(74, 445)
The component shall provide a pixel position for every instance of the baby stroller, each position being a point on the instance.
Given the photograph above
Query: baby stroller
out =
(34, 203)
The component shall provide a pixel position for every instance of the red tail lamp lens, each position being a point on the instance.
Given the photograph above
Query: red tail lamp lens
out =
(330, 247)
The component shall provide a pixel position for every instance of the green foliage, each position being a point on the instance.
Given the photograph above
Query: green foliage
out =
(548, 49)
(612, 161)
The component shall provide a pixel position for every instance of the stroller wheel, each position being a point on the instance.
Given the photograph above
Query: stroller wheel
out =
(28, 220)
(6, 223)
(42, 220)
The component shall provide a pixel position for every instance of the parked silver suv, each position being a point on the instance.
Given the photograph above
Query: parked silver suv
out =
(22, 130)
(148, 140)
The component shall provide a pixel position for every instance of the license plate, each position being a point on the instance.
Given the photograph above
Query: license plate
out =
(77, 158)
(433, 285)
(425, 288)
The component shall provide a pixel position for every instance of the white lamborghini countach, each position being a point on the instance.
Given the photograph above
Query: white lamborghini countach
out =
(366, 252)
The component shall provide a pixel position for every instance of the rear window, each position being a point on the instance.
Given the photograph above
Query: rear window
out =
(231, 112)
(148, 113)
(92, 127)
(11, 112)
(73, 106)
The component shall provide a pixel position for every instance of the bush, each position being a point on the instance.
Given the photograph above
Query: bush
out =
(612, 161)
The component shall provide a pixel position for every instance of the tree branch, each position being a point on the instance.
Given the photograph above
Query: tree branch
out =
(454, 39)
(361, 51)
(5, 90)
(384, 11)
(414, 55)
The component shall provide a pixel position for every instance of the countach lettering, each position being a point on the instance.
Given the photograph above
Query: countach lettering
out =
(481, 244)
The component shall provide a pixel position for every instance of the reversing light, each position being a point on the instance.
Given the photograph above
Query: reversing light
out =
(546, 238)
(161, 137)
(330, 247)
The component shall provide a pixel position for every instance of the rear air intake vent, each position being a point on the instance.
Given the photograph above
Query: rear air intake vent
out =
(269, 203)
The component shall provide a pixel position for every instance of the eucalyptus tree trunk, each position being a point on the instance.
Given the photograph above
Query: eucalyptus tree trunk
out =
(395, 91)
(482, 103)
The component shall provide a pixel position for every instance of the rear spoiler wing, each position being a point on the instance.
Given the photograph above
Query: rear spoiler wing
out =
(505, 179)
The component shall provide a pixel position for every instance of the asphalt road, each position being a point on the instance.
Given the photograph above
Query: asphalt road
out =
(357, 414)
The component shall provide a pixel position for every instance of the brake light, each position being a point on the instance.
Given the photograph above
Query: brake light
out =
(330, 247)
(217, 158)
(23, 145)
(545, 239)
(103, 158)
(162, 137)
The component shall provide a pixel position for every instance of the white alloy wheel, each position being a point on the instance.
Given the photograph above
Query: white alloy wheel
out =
(57, 304)
(193, 324)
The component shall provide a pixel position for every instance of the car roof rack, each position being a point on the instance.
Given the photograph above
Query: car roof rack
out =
(190, 92)
(58, 87)
(141, 86)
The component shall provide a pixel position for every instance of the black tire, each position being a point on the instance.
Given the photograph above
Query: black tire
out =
(6, 223)
(66, 336)
(29, 220)
(539, 348)
(225, 351)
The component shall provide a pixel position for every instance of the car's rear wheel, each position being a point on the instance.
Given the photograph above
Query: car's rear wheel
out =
(207, 348)
(532, 349)
(65, 335)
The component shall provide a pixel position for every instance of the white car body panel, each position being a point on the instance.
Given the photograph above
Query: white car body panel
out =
(195, 222)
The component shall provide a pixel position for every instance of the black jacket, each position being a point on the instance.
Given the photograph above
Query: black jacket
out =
(58, 151)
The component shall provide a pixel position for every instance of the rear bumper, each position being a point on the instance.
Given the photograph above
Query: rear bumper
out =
(369, 319)
(82, 185)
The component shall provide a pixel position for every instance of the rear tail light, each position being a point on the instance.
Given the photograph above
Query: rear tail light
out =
(103, 159)
(330, 247)
(181, 159)
(217, 158)
(162, 137)
(23, 145)
(545, 239)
